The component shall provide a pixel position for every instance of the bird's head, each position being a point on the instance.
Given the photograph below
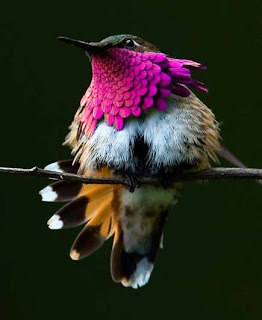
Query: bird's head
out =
(124, 41)
(130, 76)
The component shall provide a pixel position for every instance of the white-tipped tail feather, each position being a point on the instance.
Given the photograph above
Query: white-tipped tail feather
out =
(54, 223)
(142, 274)
(53, 167)
(48, 194)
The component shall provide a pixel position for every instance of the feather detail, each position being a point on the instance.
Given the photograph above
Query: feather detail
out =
(133, 268)
(88, 241)
(87, 204)
(61, 191)
(63, 166)
(142, 80)
(94, 204)
(71, 215)
(138, 235)
(95, 233)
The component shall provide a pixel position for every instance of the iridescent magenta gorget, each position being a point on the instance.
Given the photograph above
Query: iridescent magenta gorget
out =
(127, 83)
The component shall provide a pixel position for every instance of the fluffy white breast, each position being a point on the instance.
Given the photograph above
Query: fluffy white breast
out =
(169, 135)
(115, 148)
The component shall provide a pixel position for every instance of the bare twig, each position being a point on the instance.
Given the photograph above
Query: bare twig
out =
(210, 174)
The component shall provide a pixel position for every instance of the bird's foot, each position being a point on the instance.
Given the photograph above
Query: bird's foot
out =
(133, 182)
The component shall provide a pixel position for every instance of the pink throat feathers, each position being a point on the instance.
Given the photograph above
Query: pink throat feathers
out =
(126, 83)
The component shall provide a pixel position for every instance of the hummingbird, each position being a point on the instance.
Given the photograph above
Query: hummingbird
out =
(138, 118)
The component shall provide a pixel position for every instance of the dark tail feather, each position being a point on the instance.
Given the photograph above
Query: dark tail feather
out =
(61, 191)
(96, 232)
(63, 166)
(71, 215)
(133, 269)
(88, 241)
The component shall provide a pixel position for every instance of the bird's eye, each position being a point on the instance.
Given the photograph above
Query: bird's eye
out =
(129, 43)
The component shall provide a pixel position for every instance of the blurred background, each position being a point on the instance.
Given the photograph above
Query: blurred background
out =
(210, 267)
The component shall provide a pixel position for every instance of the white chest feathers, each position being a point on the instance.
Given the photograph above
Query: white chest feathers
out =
(170, 138)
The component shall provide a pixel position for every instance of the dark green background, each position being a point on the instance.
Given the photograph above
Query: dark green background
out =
(210, 267)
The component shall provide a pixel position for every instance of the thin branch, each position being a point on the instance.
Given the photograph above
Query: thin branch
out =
(209, 174)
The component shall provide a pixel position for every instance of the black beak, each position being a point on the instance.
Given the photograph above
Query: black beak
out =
(90, 47)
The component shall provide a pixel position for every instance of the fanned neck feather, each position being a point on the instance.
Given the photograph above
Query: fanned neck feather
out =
(127, 83)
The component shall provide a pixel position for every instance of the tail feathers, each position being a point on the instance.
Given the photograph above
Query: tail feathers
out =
(71, 215)
(61, 191)
(133, 269)
(95, 233)
(137, 233)
(94, 205)
(88, 241)
(63, 166)
(90, 204)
